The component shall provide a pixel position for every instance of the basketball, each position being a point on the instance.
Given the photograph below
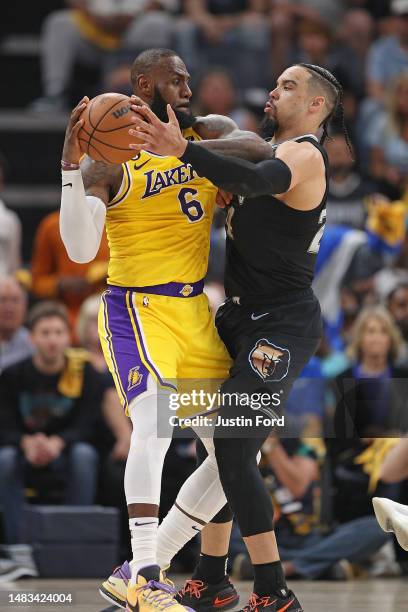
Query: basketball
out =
(104, 135)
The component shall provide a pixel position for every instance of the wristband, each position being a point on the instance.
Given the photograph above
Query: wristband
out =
(68, 166)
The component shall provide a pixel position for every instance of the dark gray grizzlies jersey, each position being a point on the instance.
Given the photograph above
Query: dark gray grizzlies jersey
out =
(272, 248)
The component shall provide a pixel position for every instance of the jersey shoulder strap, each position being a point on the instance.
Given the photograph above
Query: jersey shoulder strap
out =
(313, 140)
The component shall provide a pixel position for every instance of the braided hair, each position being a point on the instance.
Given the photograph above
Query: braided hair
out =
(331, 85)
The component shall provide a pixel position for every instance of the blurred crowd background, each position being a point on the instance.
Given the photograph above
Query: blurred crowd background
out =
(63, 435)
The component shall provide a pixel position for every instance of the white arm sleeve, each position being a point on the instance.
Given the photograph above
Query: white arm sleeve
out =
(82, 218)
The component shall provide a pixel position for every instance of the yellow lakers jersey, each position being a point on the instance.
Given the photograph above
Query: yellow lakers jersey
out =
(158, 225)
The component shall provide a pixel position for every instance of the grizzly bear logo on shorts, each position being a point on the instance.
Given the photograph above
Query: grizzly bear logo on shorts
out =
(269, 361)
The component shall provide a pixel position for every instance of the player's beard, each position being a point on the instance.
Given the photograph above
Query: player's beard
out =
(159, 107)
(268, 127)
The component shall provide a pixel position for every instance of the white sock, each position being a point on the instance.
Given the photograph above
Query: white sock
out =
(175, 530)
(143, 532)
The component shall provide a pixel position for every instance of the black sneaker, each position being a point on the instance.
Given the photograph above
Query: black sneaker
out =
(284, 601)
(204, 597)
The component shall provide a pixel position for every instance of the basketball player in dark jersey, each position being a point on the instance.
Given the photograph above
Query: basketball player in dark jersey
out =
(271, 321)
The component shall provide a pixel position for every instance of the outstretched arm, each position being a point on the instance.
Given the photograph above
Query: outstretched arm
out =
(222, 135)
(290, 168)
(237, 175)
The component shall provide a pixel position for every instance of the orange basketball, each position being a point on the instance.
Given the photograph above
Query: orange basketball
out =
(104, 135)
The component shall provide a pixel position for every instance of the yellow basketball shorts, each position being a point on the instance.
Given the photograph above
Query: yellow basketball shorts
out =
(166, 331)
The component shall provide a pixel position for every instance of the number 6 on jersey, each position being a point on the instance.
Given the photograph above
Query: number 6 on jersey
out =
(190, 207)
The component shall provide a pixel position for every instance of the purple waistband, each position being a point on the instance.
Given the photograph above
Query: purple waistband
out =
(169, 289)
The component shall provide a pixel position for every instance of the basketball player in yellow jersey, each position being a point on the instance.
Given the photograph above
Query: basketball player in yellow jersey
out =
(155, 324)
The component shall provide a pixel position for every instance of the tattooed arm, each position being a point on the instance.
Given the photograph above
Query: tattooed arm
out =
(101, 180)
(222, 135)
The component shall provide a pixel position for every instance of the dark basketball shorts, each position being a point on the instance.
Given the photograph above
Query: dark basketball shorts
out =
(270, 343)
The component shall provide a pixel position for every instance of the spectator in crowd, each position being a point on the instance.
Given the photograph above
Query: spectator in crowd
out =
(356, 31)
(393, 274)
(292, 472)
(46, 417)
(388, 139)
(10, 232)
(378, 9)
(388, 57)
(350, 261)
(317, 45)
(284, 17)
(233, 34)
(330, 11)
(347, 187)
(55, 276)
(371, 395)
(15, 343)
(397, 304)
(98, 33)
(216, 94)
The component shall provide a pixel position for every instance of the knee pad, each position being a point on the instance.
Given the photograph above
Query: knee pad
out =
(144, 465)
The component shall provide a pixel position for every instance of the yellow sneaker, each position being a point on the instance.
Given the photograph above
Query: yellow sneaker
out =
(149, 594)
(115, 587)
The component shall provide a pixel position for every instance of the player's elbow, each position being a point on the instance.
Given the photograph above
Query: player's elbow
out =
(81, 258)
(80, 253)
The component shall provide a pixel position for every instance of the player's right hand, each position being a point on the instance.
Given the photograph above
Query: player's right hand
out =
(71, 151)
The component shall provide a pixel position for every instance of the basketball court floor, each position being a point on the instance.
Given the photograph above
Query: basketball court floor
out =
(356, 596)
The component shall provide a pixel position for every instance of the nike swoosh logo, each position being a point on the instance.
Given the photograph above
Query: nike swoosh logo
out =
(141, 524)
(111, 583)
(221, 602)
(67, 185)
(286, 607)
(138, 167)
(195, 528)
(255, 318)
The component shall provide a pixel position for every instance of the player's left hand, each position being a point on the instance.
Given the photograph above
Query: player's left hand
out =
(223, 198)
(158, 137)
